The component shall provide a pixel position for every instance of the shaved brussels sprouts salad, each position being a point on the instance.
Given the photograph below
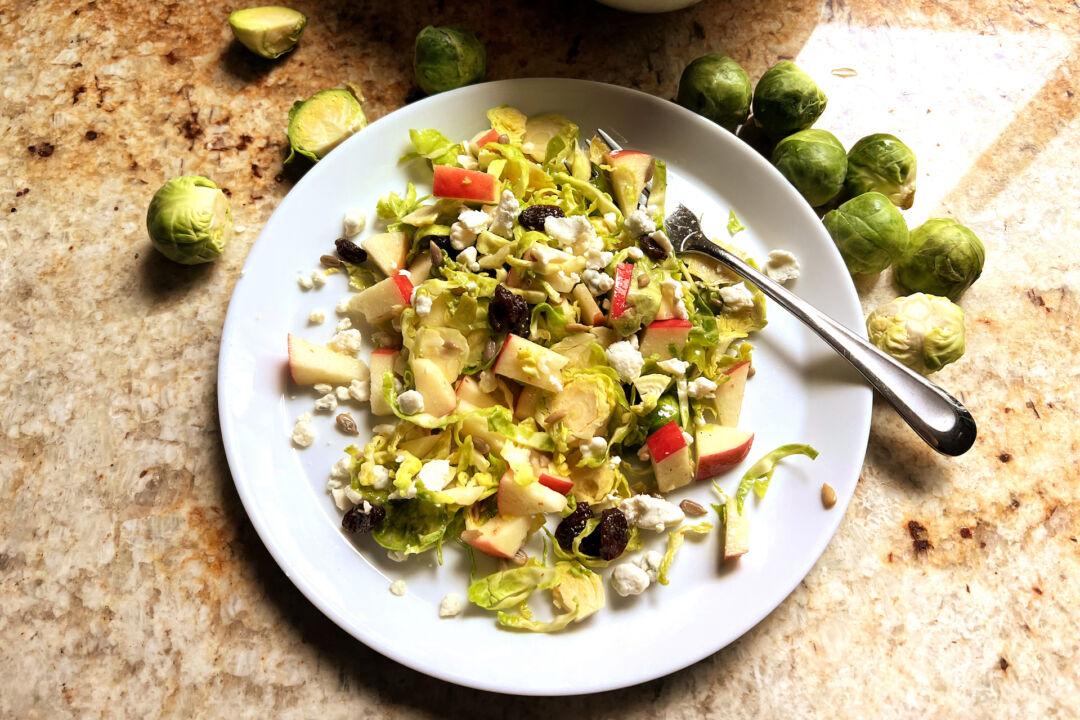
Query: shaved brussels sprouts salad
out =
(546, 368)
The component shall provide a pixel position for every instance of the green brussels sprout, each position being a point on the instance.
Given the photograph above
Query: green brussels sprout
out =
(925, 332)
(786, 100)
(882, 163)
(323, 121)
(446, 58)
(189, 220)
(869, 232)
(716, 87)
(269, 32)
(814, 162)
(944, 258)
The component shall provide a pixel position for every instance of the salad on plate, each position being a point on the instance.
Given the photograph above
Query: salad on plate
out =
(546, 370)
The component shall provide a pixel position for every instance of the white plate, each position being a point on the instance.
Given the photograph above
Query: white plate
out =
(801, 393)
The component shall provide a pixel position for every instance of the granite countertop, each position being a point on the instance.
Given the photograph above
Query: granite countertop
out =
(131, 581)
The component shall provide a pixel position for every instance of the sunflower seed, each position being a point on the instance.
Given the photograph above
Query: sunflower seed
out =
(691, 508)
(828, 496)
(347, 425)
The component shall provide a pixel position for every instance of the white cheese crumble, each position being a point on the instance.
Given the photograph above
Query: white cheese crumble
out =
(435, 474)
(327, 403)
(469, 224)
(411, 402)
(397, 587)
(354, 222)
(342, 393)
(347, 342)
(634, 253)
(626, 359)
(628, 579)
(660, 238)
(342, 469)
(674, 290)
(467, 257)
(317, 279)
(360, 390)
(611, 220)
(502, 220)
(701, 387)
(303, 433)
(596, 259)
(341, 500)
(782, 266)
(451, 606)
(468, 162)
(596, 447)
(380, 477)
(322, 388)
(342, 307)
(598, 283)
(674, 366)
(651, 513)
(575, 230)
(304, 281)
(316, 317)
(639, 223)
(422, 305)
(650, 563)
(737, 297)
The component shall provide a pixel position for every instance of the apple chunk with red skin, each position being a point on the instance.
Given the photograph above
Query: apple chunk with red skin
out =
(661, 335)
(501, 536)
(556, 483)
(387, 251)
(719, 448)
(310, 364)
(454, 183)
(382, 300)
(532, 499)
(670, 455)
(481, 139)
(729, 395)
(630, 170)
(624, 276)
(548, 364)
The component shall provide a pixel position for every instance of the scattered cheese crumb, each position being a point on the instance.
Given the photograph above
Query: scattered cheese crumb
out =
(342, 393)
(650, 563)
(360, 390)
(628, 579)
(327, 402)
(318, 279)
(316, 317)
(422, 305)
(502, 220)
(411, 402)
(397, 587)
(737, 297)
(638, 223)
(635, 253)
(304, 282)
(651, 513)
(674, 366)
(701, 387)
(782, 266)
(303, 434)
(354, 222)
(626, 360)
(347, 341)
(435, 474)
(451, 606)
(322, 388)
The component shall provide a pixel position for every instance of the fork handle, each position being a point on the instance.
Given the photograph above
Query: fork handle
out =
(935, 415)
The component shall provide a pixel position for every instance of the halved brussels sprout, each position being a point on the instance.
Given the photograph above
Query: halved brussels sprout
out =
(323, 121)
(189, 220)
(814, 162)
(882, 163)
(869, 231)
(925, 332)
(269, 32)
(716, 87)
(446, 58)
(787, 99)
(944, 258)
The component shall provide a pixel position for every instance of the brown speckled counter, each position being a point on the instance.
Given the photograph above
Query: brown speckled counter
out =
(132, 584)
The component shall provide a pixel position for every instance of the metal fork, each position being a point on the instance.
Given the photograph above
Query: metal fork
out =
(935, 415)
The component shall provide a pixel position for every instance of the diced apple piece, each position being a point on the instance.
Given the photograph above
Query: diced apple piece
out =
(532, 499)
(736, 531)
(422, 445)
(591, 314)
(500, 536)
(670, 455)
(439, 397)
(528, 401)
(466, 185)
(481, 139)
(624, 275)
(446, 347)
(556, 483)
(630, 170)
(383, 300)
(718, 448)
(420, 269)
(477, 427)
(661, 335)
(471, 397)
(388, 251)
(729, 395)
(382, 362)
(310, 364)
(529, 363)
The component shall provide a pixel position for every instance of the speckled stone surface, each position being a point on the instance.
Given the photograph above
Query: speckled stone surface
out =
(132, 584)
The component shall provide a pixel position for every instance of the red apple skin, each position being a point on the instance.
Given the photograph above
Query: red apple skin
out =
(469, 185)
(729, 396)
(499, 537)
(665, 441)
(713, 464)
(558, 484)
(624, 274)
(486, 137)
(661, 333)
(737, 366)
(405, 287)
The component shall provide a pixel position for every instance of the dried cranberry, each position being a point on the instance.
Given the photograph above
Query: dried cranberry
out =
(609, 538)
(572, 525)
(508, 312)
(359, 520)
(533, 217)
(349, 251)
(652, 248)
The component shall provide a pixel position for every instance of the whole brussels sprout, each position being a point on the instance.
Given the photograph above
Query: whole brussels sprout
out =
(189, 220)
(446, 58)
(716, 87)
(944, 258)
(323, 121)
(869, 232)
(786, 99)
(925, 332)
(814, 162)
(882, 163)
(269, 32)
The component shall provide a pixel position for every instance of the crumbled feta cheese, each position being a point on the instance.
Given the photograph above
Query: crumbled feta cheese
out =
(596, 259)
(342, 393)
(341, 500)
(327, 402)
(317, 279)
(316, 317)
(342, 469)
(397, 587)
(380, 477)
(469, 224)
(354, 497)
(628, 579)
(615, 461)
(347, 341)
(435, 474)
(422, 305)
(354, 222)
(651, 513)
(626, 359)
(342, 307)
(633, 340)
(673, 289)
(639, 223)
(595, 447)
(598, 283)
(407, 494)
(502, 220)
(687, 438)
(575, 230)
(303, 433)
(322, 388)
(650, 563)
(635, 253)
(304, 281)
(737, 297)
(660, 238)
(468, 162)
(360, 390)
(701, 387)
(782, 266)
(411, 402)
(611, 220)
(467, 257)
(451, 606)
(674, 366)
(471, 287)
